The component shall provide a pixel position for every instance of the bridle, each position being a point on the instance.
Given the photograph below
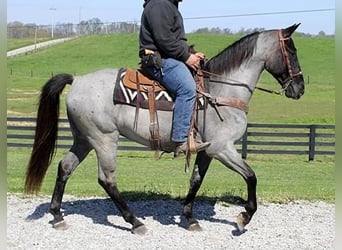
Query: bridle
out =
(289, 67)
(286, 55)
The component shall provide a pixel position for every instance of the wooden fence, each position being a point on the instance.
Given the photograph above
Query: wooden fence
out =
(295, 139)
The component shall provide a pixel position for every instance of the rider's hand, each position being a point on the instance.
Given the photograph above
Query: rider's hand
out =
(200, 55)
(194, 60)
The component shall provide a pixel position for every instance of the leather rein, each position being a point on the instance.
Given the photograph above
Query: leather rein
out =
(233, 102)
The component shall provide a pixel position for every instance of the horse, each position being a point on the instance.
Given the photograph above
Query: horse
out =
(96, 122)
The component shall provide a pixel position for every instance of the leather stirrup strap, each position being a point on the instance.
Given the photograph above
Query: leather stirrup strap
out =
(191, 148)
(137, 105)
(154, 125)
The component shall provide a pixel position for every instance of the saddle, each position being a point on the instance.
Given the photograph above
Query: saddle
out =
(136, 89)
(134, 79)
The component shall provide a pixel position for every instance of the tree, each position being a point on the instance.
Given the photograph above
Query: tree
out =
(91, 26)
(321, 33)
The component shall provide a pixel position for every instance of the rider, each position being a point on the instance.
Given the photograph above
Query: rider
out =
(166, 57)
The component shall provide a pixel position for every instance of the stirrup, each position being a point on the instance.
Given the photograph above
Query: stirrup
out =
(194, 147)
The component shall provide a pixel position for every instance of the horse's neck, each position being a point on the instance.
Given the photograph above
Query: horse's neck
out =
(239, 83)
(248, 73)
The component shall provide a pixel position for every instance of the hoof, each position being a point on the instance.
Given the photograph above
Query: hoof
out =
(141, 230)
(242, 221)
(195, 227)
(61, 225)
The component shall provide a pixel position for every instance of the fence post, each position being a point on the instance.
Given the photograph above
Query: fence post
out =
(244, 145)
(312, 142)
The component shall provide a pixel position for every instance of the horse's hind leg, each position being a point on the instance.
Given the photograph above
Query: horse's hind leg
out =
(200, 169)
(107, 166)
(66, 167)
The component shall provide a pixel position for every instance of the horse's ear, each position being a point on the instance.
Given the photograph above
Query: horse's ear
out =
(289, 30)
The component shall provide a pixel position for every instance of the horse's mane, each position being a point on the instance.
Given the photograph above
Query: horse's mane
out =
(234, 55)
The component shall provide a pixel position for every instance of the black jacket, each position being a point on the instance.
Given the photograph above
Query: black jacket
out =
(162, 30)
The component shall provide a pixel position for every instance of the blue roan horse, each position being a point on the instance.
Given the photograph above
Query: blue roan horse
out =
(96, 122)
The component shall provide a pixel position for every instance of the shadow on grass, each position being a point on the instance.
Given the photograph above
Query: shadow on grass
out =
(161, 207)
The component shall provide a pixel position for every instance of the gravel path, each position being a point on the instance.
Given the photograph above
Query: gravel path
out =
(96, 224)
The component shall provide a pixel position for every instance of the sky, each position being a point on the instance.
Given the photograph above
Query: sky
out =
(314, 15)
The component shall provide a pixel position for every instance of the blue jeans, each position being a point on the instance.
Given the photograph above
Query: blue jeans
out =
(178, 80)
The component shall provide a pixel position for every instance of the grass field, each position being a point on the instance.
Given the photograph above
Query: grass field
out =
(18, 43)
(28, 73)
(140, 176)
(280, 178)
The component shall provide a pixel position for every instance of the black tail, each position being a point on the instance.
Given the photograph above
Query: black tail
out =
(46, 131)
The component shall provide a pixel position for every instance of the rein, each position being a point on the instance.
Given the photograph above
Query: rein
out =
(245, 85)
(279, 92)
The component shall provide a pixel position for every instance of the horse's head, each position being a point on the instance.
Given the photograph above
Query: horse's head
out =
(283, 64)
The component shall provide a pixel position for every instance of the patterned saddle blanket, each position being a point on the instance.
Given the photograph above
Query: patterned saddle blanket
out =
(134, 89)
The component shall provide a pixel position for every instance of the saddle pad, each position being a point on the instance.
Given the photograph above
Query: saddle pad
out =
(130, 96)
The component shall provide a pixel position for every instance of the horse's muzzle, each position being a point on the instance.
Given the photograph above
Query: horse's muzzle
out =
(295, 90)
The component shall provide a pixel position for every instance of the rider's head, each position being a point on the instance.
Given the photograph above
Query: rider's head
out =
(175, 2)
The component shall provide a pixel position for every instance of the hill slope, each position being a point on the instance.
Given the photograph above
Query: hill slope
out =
(91, 53)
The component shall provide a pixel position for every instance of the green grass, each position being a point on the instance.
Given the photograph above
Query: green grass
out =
(280, 178)
(22, 42)
(88, 54)
(80, 56)
(139, 176)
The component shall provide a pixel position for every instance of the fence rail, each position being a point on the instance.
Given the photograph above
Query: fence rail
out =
(298, 139)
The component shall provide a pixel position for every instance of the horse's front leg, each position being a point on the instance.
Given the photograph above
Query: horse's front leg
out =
(200, 169)
(233, 160)
(245, 217)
